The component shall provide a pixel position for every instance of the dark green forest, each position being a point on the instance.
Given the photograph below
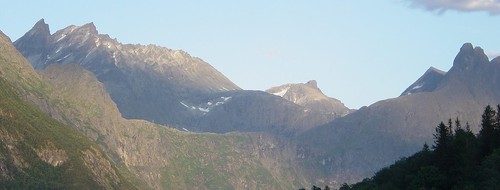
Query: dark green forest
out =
(459, 159)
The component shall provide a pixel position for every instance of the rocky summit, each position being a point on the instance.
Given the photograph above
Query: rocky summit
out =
(146, 81)
(171, 87)
(310, 97)
(61, 130)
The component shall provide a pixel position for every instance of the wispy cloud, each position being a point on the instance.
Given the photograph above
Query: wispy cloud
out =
(493, 54)
(441, 6)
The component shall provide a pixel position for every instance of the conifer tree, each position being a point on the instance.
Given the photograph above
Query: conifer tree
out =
(486, 134)
(442, 146)
(442, 138)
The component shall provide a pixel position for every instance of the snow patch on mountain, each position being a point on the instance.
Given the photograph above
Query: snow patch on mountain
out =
(60, 38)
(418, 86)
(204, 108)
(282, 92)
(185, 105)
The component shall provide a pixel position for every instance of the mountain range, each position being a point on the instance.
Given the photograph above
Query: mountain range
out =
(165, 86)
(161, 119)
(106, 151)
(377, 135)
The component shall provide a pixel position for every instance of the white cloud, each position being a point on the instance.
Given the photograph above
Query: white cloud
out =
(441, 6)
(493, 54)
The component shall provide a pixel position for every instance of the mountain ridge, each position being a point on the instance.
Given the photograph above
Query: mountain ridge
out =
(428, 82)
(169, 87)
(390, 129)
(151, 156)
(36, 150)
(135, 75)
(329, 149)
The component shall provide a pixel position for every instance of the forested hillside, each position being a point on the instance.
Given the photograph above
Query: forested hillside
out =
(458, 159)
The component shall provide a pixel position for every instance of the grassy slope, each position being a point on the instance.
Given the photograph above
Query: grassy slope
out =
(36, 151)
(161, 157)
(166, 158)
(24, 129)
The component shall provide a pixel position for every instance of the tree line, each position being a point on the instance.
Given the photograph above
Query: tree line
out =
(459, 159)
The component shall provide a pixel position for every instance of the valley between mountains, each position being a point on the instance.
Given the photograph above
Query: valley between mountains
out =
(79, 109)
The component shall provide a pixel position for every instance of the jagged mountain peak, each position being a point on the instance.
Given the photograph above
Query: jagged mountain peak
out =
(85, 34)
(466, 47)
(86, 28)
(40, 31)
(36, 39)
(41, 27)
(311, 97)
(162, 77)
(397, 127)
(469, 57)
(309, 88)
(90, 27)
(312, 83)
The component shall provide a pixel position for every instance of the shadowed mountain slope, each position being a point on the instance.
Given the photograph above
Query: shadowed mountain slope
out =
(149, 154)
(146, 82)
(170, 87)
(373, 137)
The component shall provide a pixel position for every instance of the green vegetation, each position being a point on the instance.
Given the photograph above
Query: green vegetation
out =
(24, 130)
(158, 156)
(458, 160)
(210, 161)
(94, 147)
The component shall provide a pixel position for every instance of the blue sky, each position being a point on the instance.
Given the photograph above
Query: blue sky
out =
(359, 51)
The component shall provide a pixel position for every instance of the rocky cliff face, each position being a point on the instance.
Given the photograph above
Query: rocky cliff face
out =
(375, 136)
(147, 82)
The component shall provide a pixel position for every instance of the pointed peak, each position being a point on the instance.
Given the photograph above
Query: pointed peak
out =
(36, 39)
(41, 22)
(89, 25)
(479, 51)
(469, 57)
(40, 27)
(312, 83)
(467, 47)
(89, 28)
